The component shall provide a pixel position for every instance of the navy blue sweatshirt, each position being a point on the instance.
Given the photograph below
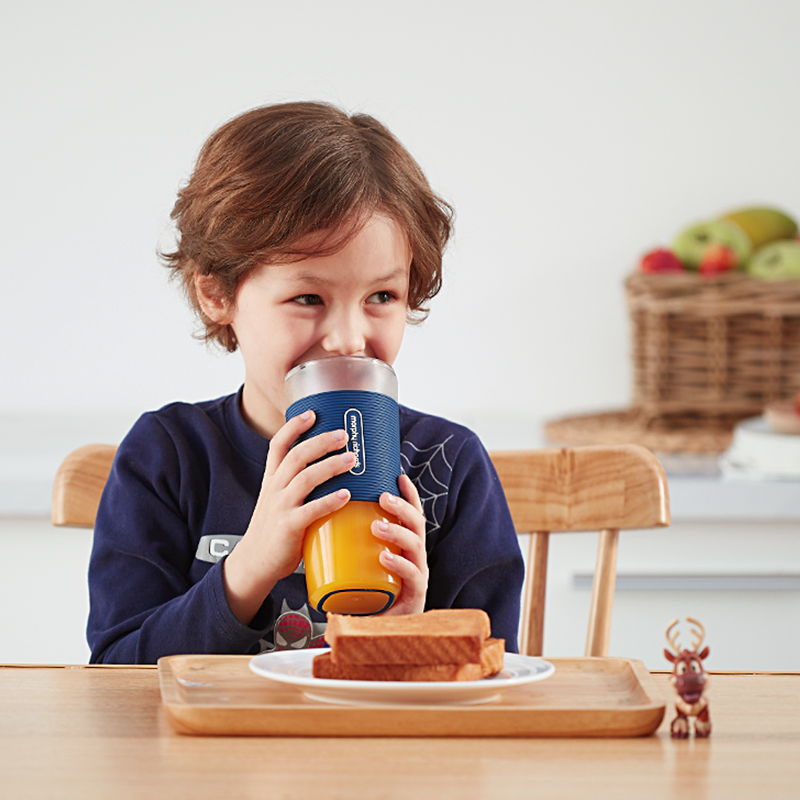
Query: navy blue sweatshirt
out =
(180, 496)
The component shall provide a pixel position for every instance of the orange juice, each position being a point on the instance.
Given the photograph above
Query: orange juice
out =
(343, 573)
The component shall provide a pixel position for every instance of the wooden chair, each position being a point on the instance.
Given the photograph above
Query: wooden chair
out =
(605, 489)
(79, 483)
(592, 488)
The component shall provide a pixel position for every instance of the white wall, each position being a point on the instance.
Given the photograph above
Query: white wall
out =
(569, 136)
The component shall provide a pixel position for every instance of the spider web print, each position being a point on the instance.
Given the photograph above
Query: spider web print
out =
(430, 472)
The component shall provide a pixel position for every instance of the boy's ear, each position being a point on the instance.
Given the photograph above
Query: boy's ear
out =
(212, 299)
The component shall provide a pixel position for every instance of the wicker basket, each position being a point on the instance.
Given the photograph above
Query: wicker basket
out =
(716, 348)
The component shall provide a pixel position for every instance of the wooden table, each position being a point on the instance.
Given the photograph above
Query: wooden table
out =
(88, 732)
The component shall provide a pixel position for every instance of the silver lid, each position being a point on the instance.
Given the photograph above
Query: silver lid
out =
(339, 373)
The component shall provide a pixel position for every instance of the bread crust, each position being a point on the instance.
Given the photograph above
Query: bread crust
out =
(323, 667)
(491, 662)
(441, 636)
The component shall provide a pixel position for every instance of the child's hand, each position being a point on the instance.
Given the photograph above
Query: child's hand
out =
(411, 566)
(272, 546)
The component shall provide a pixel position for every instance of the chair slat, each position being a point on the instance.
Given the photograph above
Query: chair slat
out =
(598, 636)
(532, 630)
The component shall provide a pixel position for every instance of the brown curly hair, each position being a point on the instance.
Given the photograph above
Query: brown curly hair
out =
(270, 177)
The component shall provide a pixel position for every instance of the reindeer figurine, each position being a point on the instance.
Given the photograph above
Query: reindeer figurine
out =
(689, 680)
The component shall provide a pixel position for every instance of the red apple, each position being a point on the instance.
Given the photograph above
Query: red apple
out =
(718, 258)
(660, 260)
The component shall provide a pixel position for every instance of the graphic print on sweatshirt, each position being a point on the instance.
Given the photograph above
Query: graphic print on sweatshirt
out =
(430, 472)
(294, 630)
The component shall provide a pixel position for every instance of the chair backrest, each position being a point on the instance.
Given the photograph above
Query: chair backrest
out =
(605, 489)
(79, 483)
(592, 488)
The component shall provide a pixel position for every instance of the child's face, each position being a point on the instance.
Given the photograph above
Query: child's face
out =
(353, 302)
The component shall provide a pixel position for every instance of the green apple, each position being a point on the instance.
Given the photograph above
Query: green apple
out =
(691, 243)
(776, 261)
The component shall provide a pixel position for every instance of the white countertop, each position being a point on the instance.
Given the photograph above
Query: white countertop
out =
(699, 497)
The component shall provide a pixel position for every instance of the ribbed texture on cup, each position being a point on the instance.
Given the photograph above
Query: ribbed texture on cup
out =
(379, 440)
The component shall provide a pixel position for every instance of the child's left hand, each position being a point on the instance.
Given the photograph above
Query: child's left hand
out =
(411, 566)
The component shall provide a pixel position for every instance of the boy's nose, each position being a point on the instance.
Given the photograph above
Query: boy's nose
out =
(345, 336)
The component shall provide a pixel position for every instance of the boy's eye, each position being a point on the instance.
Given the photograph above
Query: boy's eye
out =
(308, 299)
(381, 297)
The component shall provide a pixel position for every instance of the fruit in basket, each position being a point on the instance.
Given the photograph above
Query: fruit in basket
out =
(776, 261)
(763, 224)
(718, 258)
(691, 243)
(660, 260)
(783, 416)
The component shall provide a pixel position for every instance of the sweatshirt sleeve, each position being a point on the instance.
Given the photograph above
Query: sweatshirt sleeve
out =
(143, 604)
(474, 559)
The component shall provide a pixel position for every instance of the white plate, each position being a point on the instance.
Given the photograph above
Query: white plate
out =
(294, 667)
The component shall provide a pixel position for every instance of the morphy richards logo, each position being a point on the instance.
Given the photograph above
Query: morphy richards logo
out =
(354, 425)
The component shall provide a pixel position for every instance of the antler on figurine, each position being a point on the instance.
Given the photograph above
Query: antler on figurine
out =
(698, 633)
(673, 640)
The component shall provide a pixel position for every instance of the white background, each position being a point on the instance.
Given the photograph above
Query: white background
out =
(570, 137)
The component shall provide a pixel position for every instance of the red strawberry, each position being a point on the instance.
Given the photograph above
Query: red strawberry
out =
(660, 260)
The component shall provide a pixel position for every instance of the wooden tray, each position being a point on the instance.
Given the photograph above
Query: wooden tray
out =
(219, 695)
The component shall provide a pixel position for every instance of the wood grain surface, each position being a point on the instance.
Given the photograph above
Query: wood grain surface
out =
(97, 732)
(583, 488)
(79, 484)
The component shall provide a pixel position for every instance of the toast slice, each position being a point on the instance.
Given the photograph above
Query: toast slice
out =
(491, 662)
(441, 636)
(492, 656)
(323, 667)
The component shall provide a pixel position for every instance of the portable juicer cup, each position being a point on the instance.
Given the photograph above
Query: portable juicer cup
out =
(343, 572)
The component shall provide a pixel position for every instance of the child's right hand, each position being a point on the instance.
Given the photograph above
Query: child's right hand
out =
(272, 546)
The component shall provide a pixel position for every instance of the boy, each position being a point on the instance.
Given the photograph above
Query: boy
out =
(303, 233)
